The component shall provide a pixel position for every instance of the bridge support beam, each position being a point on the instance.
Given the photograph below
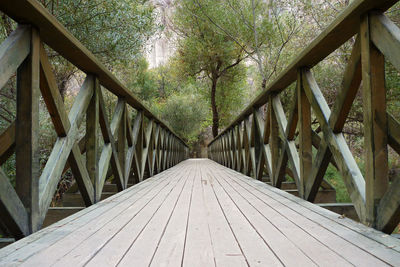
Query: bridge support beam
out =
(27, 132)
(375, 122)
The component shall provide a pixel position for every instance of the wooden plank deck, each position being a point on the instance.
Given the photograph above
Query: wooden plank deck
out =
(200, 213)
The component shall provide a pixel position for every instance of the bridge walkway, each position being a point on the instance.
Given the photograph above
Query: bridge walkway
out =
(200, 213)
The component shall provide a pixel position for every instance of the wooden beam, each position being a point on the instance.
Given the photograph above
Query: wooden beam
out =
(348, 167)
(81, 175)
(388, 211)
(12, 210)
(386, 36)
(393, 133)
(134, 133)
(54, 34)
(62, 148)
(350, 85)
(92, 138)
(288, 146)
(122, 144)
(342, 28)
(51, 96)
(259, 122)
(27, 133)
(13, 51)
(55, 106)
(109, 151)
(305, 135)
(375, 122)
(7, 143)
(274, 136)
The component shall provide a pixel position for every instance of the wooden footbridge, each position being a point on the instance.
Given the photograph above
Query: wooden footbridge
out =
(228, 210)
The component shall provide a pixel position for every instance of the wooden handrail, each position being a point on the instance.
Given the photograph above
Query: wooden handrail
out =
(269, 148)
(132, 147)
(55, 35)
(337, 33)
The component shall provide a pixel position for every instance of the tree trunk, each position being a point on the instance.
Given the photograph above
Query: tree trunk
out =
(215, 122)
(263, 84)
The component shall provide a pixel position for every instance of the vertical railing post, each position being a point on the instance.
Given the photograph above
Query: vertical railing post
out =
(375, 121)
(258, 125)
(273, 140)
(238, 148)
(122, 143)
(92, 136)
(246, 136)
(305, 139)
(27, 132)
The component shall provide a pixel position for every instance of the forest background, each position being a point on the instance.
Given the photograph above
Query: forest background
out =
(221, 55)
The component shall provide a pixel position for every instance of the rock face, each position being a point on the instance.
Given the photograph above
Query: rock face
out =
(160, 48)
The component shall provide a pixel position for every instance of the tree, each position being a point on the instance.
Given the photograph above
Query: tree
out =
(114, 31)
(202, 51)
(185, 113)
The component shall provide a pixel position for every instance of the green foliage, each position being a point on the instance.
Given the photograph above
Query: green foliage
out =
(232, 93)
(210, 57)
(113, 30)
(185, 113)
(335, 179)
(177, 101)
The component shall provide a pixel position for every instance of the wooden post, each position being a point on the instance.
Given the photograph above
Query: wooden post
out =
(122, 143)
(273, 140)
(375, 122)
(305, 139)
(27, 132)
(92, 135)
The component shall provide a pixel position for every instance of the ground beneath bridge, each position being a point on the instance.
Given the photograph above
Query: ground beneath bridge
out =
(200, 213)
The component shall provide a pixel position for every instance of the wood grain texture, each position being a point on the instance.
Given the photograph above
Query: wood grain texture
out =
(27, 132)
(374, 120)
(200, 213)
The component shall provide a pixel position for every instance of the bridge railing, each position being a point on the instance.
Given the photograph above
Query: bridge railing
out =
(135, 144)
(274, 145)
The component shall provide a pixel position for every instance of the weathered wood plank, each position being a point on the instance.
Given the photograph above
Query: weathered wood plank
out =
(375, 122)
(134, 223)
(52, 96)
(305, 138)
(255, 249)
(134, 135)
(350, 85)
(284, 249)
(344, 250)
(169, 251)
(384, 247)
(203, 209)
(295, 229)
(393, 133)
(92, 138)
(48, 237)
(122, 144)
(386, 36)
(289, 147)
(388, 211)
(81, 175)
(7, 143)
(198, 250)
(27, 132)
(52, 171)
(348, 168)
(142, 250)
(55, 106)
(13, 51)
(13, 213)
